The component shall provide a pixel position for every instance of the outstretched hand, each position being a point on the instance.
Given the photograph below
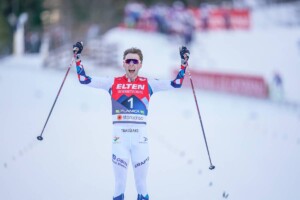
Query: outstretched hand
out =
(184, 55)
(77, 48)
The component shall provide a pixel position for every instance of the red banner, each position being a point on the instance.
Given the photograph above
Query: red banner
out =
(221, 19)
(248, 85)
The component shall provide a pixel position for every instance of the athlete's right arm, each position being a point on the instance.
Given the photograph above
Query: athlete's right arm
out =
(96, 82)
(102, 83)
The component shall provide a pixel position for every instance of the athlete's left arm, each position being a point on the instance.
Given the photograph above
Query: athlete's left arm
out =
(160, 85)
(177, 82)
(157, 85)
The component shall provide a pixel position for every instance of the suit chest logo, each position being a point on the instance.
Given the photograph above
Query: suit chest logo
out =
(130, 86)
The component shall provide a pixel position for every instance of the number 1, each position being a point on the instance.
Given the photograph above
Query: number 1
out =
(131, 102)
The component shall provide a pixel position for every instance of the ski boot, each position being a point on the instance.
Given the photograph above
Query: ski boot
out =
(120, 197)
(141, 197)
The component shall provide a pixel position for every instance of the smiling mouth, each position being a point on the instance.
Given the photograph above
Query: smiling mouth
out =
(131, 70)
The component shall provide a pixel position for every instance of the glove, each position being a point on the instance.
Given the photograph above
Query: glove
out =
(77, 48)
(184, 55)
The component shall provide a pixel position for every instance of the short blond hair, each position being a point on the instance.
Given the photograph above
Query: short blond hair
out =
(134, 51)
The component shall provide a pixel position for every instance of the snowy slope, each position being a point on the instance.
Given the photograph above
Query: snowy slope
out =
(254, 144)
(256, 52)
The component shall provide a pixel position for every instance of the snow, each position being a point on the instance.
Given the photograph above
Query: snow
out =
(256, 52)
(253, 143)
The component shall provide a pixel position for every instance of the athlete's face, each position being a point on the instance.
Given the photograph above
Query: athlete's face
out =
(132, 64)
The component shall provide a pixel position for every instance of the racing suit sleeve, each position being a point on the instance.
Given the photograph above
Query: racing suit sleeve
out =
(96, 82)
(162, 85)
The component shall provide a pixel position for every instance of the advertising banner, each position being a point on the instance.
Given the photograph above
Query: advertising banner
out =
(248, 85)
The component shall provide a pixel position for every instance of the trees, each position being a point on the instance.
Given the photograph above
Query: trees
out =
(10, 10)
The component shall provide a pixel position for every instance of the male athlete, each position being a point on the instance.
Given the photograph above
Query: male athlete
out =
(130, 95)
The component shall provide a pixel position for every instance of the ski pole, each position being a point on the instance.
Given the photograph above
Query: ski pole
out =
(40, 137)
(211, 167)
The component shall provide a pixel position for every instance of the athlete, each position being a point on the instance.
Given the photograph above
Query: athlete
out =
(130, 95)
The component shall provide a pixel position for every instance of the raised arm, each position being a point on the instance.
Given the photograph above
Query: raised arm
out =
(161, 85)
(96, 82)
(184, 55)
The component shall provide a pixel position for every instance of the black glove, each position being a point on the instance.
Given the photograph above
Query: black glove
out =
(184, 55)
(77, 48)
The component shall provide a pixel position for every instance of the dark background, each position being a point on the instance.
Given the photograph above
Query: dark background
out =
(74, 15)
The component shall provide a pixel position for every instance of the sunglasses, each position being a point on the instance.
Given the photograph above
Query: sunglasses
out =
(134, 61)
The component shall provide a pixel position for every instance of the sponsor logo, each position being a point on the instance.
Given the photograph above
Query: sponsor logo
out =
(119, 117)
(144, 140)
(130, 130)
(128, 117)
(129, 86)
(141, 163)
(119, 161)
(116, 139)
(130, 111)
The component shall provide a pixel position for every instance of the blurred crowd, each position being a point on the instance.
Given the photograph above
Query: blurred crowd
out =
(182, 22)
(174, 20)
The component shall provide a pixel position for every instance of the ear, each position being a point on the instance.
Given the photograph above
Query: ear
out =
(140, 65)
(123, 64)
